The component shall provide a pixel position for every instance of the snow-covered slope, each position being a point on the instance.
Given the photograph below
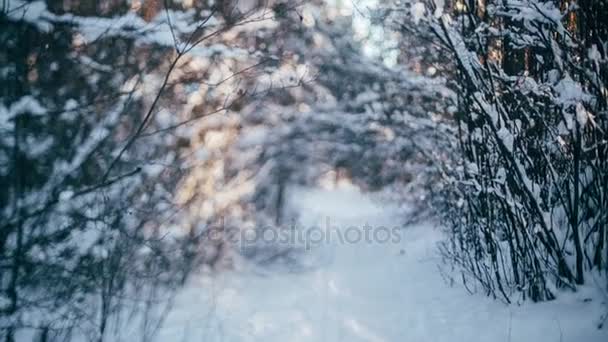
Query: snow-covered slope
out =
(366, 292)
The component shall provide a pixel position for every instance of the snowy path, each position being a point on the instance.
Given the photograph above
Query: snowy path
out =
(366, 292)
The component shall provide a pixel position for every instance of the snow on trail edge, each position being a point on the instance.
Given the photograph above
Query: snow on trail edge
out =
(366, 292)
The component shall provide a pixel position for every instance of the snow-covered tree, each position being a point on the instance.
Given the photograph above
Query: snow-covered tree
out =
(529, 208)
(89, 156)
(325, 108)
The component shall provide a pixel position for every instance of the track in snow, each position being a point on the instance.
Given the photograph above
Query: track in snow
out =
(366, 292)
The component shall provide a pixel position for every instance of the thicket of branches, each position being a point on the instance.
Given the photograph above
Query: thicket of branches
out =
(527, 211)
(92, 99)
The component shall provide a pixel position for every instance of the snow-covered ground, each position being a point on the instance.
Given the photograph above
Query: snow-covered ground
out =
(367, 292)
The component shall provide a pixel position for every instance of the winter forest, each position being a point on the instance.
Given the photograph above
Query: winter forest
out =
(303, 170)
